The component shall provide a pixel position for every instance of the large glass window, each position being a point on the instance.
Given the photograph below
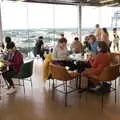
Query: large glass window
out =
(14, 24)
(66, 21)
(25, 22)
(90, 17)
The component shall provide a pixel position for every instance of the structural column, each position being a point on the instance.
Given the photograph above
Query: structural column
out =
(80, 20)
(1, 35)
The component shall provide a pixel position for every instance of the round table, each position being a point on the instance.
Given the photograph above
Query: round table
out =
(78, 57)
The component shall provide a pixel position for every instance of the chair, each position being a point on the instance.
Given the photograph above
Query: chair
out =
(25, 72)
(116, 58)
(46, 67)
(47, 61)
(60, 73)
(109, 73)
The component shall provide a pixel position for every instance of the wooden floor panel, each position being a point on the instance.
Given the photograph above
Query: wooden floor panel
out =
(37, 103)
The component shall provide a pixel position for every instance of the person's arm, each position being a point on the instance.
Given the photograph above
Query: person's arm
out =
(18, 60)
(96, 66)
(93, 71)
(92, 58)
(94, 61)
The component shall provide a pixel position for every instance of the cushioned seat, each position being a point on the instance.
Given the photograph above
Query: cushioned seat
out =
(60, 73)
(46, 67)
(25, 72)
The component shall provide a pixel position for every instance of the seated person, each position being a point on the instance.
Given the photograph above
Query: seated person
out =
(93, 43)
(85, 43)
(99, 62)
(76, 46)
(14, 62)
(60, 53)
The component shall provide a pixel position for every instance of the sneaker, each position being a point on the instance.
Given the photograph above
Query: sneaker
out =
(105, 88)
(11, 91)
(106, 85)
(94, 89)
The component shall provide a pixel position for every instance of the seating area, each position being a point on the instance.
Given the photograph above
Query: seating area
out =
(25, 73)
(40, 95)
(64, 76)
(60, 60)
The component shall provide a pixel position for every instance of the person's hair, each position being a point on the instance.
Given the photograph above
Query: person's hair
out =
(92, 37)
(105, 31)
(40, 37)
(62, 40)
(11, 45)
(114, 29)
(62, 34)
(103, 46)
(97, 25)
(7, 39)
(76, 38)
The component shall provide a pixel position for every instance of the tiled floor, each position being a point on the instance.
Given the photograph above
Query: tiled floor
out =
(37, 104)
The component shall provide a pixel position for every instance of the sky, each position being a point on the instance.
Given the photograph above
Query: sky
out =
(21, 15)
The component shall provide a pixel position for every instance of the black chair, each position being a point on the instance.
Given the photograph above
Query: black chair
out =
(26, 71)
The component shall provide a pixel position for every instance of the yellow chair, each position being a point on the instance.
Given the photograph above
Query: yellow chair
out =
(46, 67)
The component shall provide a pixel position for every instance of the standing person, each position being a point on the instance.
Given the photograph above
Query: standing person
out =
(116, 39)
(14, 62)
(7, 40)
(98, 32)
(39, 47)
(105, 37)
